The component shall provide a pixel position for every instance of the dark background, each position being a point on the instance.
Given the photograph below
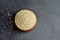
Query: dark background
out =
(47, 12)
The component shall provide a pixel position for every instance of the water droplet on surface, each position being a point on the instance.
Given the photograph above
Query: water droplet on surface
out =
(11, 38)
(7, 9)
(5, 32)
(8, 14)
(11, 27)
(2, 30)
(2, 11)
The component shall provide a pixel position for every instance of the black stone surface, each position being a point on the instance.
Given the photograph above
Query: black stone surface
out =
(47, 12)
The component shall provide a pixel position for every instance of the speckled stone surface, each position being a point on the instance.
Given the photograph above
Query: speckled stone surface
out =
(47, 12)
